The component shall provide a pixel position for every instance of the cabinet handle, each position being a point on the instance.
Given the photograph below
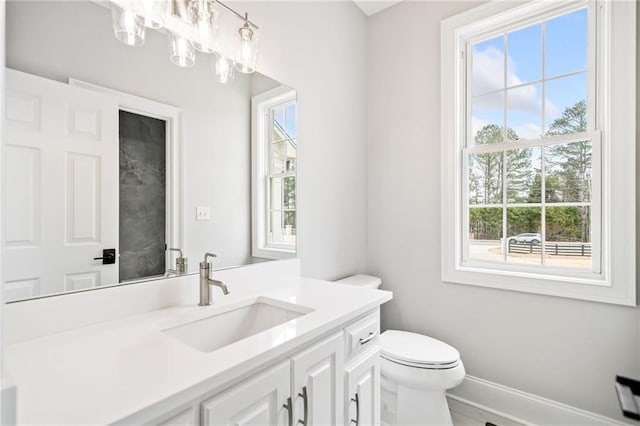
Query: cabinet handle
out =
(306, 406)
(372, 335)
(357, 401)
(289, 408)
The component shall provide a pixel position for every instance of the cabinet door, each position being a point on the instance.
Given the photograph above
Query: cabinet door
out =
(363, 390)
(261, 400)
(318, 383)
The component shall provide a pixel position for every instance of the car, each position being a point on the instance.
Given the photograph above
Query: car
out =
(526, 238)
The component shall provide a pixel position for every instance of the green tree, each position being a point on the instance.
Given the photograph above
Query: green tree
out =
(486, 178)
(290, 202)
(553, 187)
(570, 164)
(485, 223)
(572, 120)
(486, 169)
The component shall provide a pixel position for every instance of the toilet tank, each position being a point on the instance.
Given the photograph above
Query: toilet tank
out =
(361, 280)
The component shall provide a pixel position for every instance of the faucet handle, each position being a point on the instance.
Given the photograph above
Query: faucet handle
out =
(207, 255)
(179, 250)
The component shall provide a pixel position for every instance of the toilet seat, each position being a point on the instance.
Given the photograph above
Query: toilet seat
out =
(418, 351)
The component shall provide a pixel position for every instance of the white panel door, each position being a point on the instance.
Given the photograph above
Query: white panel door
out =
(260, 401)
(60, 186)
(363, 390)
(318, 383)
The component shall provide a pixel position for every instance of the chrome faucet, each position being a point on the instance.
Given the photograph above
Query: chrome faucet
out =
(181, 263)
(206, 281)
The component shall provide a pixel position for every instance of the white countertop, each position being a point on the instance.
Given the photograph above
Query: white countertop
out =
(121, 369)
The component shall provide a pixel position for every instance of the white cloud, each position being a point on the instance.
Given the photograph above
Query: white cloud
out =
(551, 110)
(488, 75)
(528, 131)
(477, 124)
(488, 70)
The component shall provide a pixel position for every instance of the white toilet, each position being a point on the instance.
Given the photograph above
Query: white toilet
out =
(416, 372)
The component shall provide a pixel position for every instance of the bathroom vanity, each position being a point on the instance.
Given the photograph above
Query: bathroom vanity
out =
(278, 349)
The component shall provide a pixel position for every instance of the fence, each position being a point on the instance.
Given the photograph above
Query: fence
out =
(556, 249)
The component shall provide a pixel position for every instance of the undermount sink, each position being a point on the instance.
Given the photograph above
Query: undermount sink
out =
(232, 325)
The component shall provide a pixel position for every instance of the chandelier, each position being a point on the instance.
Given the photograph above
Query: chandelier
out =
(191, 26)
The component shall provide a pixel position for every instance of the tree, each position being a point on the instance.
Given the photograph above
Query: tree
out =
(289, 192)
(486, 176)
(486, 170)
(570, 163)
(552, 187)
(572, 120)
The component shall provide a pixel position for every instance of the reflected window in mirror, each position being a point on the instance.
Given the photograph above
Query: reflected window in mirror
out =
(274, 140)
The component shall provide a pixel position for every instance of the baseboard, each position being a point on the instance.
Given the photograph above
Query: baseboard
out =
(485, 401)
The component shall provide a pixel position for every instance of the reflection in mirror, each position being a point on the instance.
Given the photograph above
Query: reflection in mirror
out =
(120, 166)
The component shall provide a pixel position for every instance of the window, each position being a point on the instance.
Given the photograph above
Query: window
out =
(534, 116)
(274, 140)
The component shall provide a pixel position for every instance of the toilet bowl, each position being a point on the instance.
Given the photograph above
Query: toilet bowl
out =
(416, 371)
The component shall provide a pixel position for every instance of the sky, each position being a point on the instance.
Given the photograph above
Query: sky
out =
(285, 116)
(565, 52)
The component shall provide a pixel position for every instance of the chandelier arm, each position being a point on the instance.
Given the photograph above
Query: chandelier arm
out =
(243, 17)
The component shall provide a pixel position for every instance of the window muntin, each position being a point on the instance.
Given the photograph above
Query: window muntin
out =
(519, 147)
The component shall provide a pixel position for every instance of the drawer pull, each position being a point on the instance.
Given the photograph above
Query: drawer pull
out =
(372, 335)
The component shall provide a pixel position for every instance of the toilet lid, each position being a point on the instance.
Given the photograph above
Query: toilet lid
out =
(417, 349)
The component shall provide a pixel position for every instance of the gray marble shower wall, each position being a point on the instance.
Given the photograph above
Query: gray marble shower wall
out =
(142, 196)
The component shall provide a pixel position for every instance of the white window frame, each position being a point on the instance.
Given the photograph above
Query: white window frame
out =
(614, 278)
(260, 158)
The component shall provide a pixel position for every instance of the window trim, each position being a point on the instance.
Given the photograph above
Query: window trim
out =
(616, 68)
(260, 168)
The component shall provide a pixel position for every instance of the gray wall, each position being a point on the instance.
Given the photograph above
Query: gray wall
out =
(318, 49)
(565, 350)
(58, 40)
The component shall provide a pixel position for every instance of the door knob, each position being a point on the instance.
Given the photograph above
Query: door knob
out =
(108, 257)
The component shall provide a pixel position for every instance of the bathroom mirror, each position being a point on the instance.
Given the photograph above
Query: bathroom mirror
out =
(114, 156)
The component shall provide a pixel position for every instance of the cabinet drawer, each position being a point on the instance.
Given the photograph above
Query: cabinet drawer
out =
(363, 333)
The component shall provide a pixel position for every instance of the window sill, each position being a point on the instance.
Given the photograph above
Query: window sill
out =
(274, 253)
(597, 288)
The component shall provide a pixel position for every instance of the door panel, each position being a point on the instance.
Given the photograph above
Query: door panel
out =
(61, 186)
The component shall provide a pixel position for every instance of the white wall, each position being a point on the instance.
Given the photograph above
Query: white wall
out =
(58, 40)
(318, 49)
(565, 350)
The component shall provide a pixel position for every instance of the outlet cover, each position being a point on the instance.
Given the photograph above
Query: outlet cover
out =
(203, 213)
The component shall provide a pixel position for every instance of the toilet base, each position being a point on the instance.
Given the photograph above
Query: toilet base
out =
(403, 406)
(420, 407)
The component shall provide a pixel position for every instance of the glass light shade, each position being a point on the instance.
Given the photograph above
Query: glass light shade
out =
(203, 16)
(223, 68)
(152, 12)
(247, 50)
(182, 52)
(128, 27)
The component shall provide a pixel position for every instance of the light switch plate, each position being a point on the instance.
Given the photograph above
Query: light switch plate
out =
(203, 213)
